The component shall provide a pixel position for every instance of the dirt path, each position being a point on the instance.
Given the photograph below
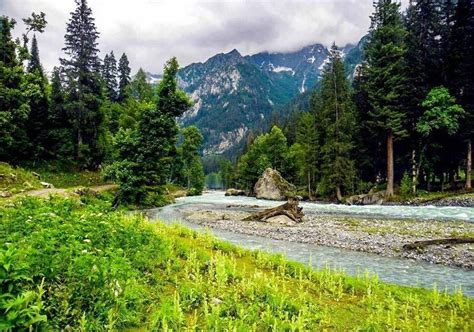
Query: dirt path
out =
(67, 192)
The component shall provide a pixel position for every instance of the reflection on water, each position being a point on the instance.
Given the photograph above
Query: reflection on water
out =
(391, 270)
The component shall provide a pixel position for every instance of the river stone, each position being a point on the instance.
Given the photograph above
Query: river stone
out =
(281, 220)
(234, 192)
(367, 199)
(272, 185)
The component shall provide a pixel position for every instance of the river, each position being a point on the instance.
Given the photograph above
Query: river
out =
(389, 269)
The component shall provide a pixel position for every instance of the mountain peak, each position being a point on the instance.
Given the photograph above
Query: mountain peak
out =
(234, 52)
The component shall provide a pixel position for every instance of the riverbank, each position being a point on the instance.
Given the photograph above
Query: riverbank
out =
(82, 265)
(375, 235)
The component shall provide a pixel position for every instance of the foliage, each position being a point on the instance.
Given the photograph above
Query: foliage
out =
(441, 113)
(67, 265)
(226, 171)
(336, 123)
(192, 165)
(14, 108)
(109, 74)
(144, 152)
(406, 186)
(268, 150)
(140, 89)
(124, 77)
(15, 179)
(83, 87)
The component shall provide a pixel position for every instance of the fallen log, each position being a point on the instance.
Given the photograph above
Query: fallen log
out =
(289, 209)
(453, 240)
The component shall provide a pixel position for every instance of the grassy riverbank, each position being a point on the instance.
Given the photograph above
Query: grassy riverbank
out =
(65, 262)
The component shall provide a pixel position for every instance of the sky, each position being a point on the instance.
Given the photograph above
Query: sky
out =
(152, 31)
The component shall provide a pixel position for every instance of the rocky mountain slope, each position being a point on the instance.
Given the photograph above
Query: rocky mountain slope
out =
(234, 94)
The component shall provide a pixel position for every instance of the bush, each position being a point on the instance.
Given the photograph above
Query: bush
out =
(194, 192)
(406, 186)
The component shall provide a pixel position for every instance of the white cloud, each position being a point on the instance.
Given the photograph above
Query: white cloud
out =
(152, 31)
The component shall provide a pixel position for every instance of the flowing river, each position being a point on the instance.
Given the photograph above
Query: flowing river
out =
(389, 269)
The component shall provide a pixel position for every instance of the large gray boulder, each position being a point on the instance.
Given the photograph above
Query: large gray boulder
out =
(272, 185)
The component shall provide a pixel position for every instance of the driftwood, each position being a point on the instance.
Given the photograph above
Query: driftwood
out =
(289, 209)
(453, 240)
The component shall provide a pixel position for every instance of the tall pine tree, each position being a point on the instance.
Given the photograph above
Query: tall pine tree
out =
(124, 77)
(423, 61)
(336, 139)
(109, 74)
(461, 81)
(37, 125)
(60, 136)
(14, 108)
(385, 54)
(306, 136)
(83, 86)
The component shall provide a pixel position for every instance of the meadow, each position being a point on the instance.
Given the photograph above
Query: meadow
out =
(79, 264)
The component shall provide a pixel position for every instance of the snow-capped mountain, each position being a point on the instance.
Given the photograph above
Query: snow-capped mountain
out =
(235, 94)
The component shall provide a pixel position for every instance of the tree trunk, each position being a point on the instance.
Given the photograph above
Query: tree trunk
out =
(309, 186)
(425, 243)
(389, 191)
(414, 175)
(338, 193)
(289, 209)
(79, 143)
(468, 185)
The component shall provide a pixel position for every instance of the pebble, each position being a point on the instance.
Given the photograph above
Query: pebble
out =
(380, 236)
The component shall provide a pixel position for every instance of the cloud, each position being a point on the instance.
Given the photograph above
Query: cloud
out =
(152, 31)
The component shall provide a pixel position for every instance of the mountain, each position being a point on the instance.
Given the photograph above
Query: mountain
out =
(231, 96)
(235, 95)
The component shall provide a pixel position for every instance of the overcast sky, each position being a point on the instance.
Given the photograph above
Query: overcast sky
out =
(152, 31)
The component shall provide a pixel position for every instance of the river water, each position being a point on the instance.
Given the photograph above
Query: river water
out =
(389, 269)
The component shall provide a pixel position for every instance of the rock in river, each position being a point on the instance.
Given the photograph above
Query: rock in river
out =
(234, 192)
(272, 185)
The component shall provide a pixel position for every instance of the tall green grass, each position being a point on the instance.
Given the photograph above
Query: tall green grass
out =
(68, 264)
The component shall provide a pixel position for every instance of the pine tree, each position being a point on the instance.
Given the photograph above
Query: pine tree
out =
(306, 137)
(14, 108)
(83, 86)
(461, 81)
(37, 125)
(158, 128)
(386, 82)
(193, 169)
(124, 77)
(336, 138)
(424, 70)
(34, 63)
(60, 137)
(146, 152)
(109, 74)
(140, 89)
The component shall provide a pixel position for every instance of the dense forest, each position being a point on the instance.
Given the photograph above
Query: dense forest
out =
(405, 123)
(91, 114)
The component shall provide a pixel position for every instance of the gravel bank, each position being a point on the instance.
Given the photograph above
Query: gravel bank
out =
(383, 237)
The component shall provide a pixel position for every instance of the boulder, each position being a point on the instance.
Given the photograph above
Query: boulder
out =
(281, 220)
(272, 185)
(234, 192)
(373, 197)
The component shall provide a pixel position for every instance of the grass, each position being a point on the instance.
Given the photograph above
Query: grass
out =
(14, 180)
(69, 179)
(68, 264)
